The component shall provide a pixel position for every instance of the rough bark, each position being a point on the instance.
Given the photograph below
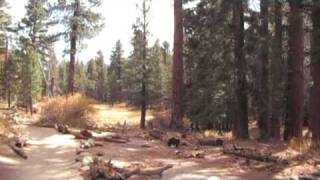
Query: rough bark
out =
(73, 47)
(276, 77)
(295, 72)
(144, 69)
(177, 69)
(315, 73)
(240, 129)
(263, 121)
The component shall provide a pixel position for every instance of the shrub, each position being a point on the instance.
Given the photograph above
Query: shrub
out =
(70, 110)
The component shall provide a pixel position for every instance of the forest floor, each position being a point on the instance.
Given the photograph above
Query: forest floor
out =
(52, 155)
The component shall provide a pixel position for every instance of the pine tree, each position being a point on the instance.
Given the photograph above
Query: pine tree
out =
(315, 72)
(277, 73)
(34, 37)
(81, 22)
(92, 75)
(30, 76)
(102, 78)
(115, 77)
(240, 129)
(177, 68)
(263, 121)
(63, 77)
(81, 80)
(293, 125)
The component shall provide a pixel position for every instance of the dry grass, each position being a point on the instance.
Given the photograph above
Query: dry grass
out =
(117, 115)
(70, 110)
(4, 126)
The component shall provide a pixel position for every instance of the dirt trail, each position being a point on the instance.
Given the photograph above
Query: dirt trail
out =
(51, 157)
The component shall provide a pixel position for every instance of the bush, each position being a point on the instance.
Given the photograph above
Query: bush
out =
(70, 110)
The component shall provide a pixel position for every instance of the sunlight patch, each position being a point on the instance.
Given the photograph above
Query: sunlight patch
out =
(7, 160)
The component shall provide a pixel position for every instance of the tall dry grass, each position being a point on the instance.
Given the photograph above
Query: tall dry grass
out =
(71, 110)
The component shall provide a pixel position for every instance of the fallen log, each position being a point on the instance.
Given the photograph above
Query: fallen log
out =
(101, 170)
(17, 150)
(87, 134)
(190, 154)
(253, 154)
(157, 134)
(211, 142)
(110, 139)
(154, 171)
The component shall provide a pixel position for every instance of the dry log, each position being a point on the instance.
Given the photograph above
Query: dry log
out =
(18, 150)
(111, 139)
(154, 171)
(157, 134)
(87, 134)
(253, 154)
(211, 142)
(190, 154)
(102, 170)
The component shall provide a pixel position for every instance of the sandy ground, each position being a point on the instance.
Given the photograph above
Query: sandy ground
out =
(51, 157)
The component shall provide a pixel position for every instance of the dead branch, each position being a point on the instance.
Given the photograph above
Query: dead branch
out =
(18, 150)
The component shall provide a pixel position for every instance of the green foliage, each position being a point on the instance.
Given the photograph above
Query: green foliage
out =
(63, 77)
(115, 76)
(89, 21)
(30, 75)
(209, 73)
(81, 80)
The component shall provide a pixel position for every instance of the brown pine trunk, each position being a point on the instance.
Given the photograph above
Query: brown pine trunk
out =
(73, 48)
(177, 86)
(8, 84)
(144, 69)
(276, 66)
(295, 72)
(143, 107)
(315, 72)
(240, 129)
(263, 121)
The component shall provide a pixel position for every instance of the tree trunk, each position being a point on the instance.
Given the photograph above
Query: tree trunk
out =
(8, 84)
(73, 47)
(144, 70)
(240, 129)
(143, 107)
(315, 72)
(276, 67)
(263, 121)
(295, 71)
(177, 75)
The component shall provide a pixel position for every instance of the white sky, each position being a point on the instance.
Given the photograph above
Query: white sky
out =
(119, 16)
